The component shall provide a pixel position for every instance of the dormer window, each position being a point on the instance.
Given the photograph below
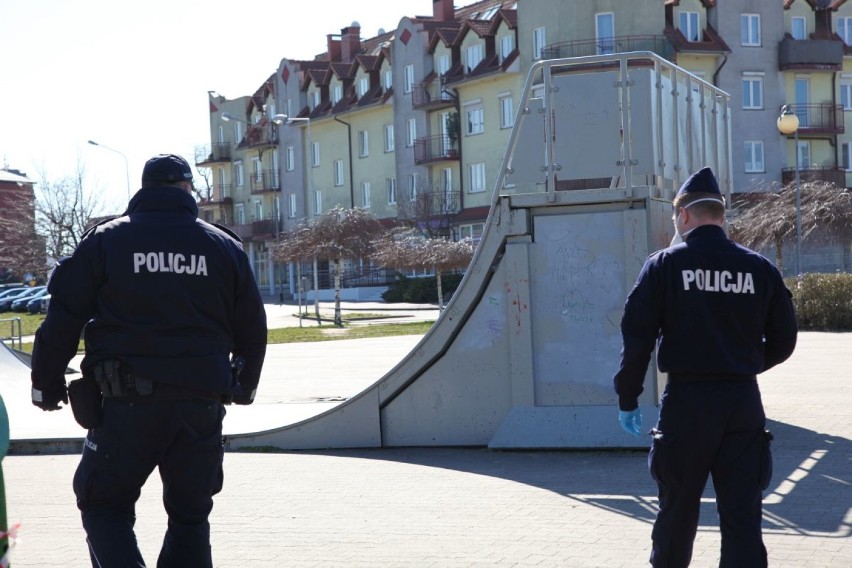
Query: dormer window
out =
(363, 86)
(473, 55)
(688, 26)
(336, 94)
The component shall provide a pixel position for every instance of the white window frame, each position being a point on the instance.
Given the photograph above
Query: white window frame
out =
(290, 159)
(363, 86)
(472, 231)
(844, 29)
(390, 186)
(749, 36)
(388, 79)
(799, 27)
(239, 174)
(315, 154)
(336, 94)
(443, 64)
(240, 214)
(389, 138)
(846, 93)
(604, 44)
(754, 160)
(410, 132)
(507, 111)
(257, 166)
(365, 194)
(473, 55)
(689, 24)
(412, 186)
(539, 40)
(318, 202)
(363, 143)
(291, 209)
(476, 172)
(338, 173)
(408, 83)
(474, 120)
(507, 46)
(752, 84)
(846, 156)
(803, 154)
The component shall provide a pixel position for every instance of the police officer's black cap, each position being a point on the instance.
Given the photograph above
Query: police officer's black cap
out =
(165, 168)
(702, 182)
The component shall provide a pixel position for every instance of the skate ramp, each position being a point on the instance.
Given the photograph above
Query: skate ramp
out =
(524, 354)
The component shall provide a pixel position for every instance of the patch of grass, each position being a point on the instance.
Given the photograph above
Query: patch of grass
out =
(29, 323)
(330, 333)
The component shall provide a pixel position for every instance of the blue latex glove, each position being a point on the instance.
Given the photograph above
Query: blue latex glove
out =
(631, 421)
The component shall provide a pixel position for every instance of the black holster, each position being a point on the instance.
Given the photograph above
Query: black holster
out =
(86, 402)
(117, 380)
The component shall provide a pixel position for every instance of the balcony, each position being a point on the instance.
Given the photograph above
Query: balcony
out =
(431, 96)
(266, 181)
(216, 153)
(260, 136)
(257, 230)
(811, 54)
(434, 149)
(819, 119)
(580, 48)
(216, 195)
(828, 174)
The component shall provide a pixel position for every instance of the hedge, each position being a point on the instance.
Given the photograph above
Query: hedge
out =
(421, 290)
(823, 301)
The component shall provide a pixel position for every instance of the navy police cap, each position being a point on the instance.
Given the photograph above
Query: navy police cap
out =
(702, 183)
(164, 168)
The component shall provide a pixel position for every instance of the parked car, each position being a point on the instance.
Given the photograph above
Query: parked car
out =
(6, 303)
(20, 303)
(38, 305)
(9, 292)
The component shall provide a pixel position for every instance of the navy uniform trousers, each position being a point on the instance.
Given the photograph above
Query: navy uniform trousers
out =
(183, 438)
(710, 428)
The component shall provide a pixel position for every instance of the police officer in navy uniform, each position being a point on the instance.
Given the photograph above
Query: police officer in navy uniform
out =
(168, 301)
(719, 314)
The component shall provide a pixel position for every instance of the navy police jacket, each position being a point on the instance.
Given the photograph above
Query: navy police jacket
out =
(714, 309)
(164, 292)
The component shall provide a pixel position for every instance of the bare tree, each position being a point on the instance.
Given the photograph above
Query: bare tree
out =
(337, 234)
(408, 249)
(430, 210)
(769, 219)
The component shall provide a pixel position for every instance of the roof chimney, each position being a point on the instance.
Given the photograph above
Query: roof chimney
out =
(443, 10)
(351, 40)
(333, 47)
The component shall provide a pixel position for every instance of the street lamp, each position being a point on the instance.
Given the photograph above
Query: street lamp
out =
(788, 123)
(284, 119)
(126, 165)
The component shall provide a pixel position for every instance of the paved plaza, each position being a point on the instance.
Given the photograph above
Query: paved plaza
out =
(463, 507)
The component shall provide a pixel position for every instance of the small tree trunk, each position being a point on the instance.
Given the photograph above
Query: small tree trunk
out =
(338, 320)
(440, 290)
(779, 257)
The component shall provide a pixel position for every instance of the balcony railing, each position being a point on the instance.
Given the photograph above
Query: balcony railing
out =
(260, 136)
(828, 174)
(810, 54)
(430, 95)
(434, 149)
(621, 44)
(266, 181)
(219, 152)
(258, 230)
(217, 195)
(822, 118)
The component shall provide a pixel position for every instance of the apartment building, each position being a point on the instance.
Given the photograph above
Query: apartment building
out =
(412, 123)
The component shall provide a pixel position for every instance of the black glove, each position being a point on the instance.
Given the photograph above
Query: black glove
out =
(50, 397)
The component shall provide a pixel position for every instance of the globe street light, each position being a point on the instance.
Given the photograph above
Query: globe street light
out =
(788, 123)
(126, 165)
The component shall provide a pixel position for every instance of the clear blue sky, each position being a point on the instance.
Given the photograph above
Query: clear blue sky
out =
(134, 76)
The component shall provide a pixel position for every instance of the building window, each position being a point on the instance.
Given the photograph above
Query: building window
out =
(477, 177)
(363, 143)
(388, 79)
(750, 30)
(847, 156)
(507, 46)
(412, 187)
(240, 214)
(539, 37)
(315, 99)
(410, 132)
(688, 26)
(363, 86)
(475, 120)
(238, 132)
(365, 193)
(604, 33)
(290, 159)
(317, 202)
(752, 91)
(799, 28)
(846, 94)
(291, 209)
(388, 137)
(472, 232)
(390, 185)
(258, 171)
(238, 166)
(338, 172)
(315, 154)
(408, 85)
(844, 30)
(754, 157)
(507, 112)
(473, 55)
(336, 94)
(443, 64)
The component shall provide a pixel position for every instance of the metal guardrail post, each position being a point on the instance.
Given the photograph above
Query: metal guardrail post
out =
(12, 336)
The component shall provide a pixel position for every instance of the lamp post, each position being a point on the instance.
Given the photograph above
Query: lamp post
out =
(284, 119)
(788, 123)
(126, 164)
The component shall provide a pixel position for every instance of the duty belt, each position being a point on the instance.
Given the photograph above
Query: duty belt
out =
(698, 377)
(117, 380)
